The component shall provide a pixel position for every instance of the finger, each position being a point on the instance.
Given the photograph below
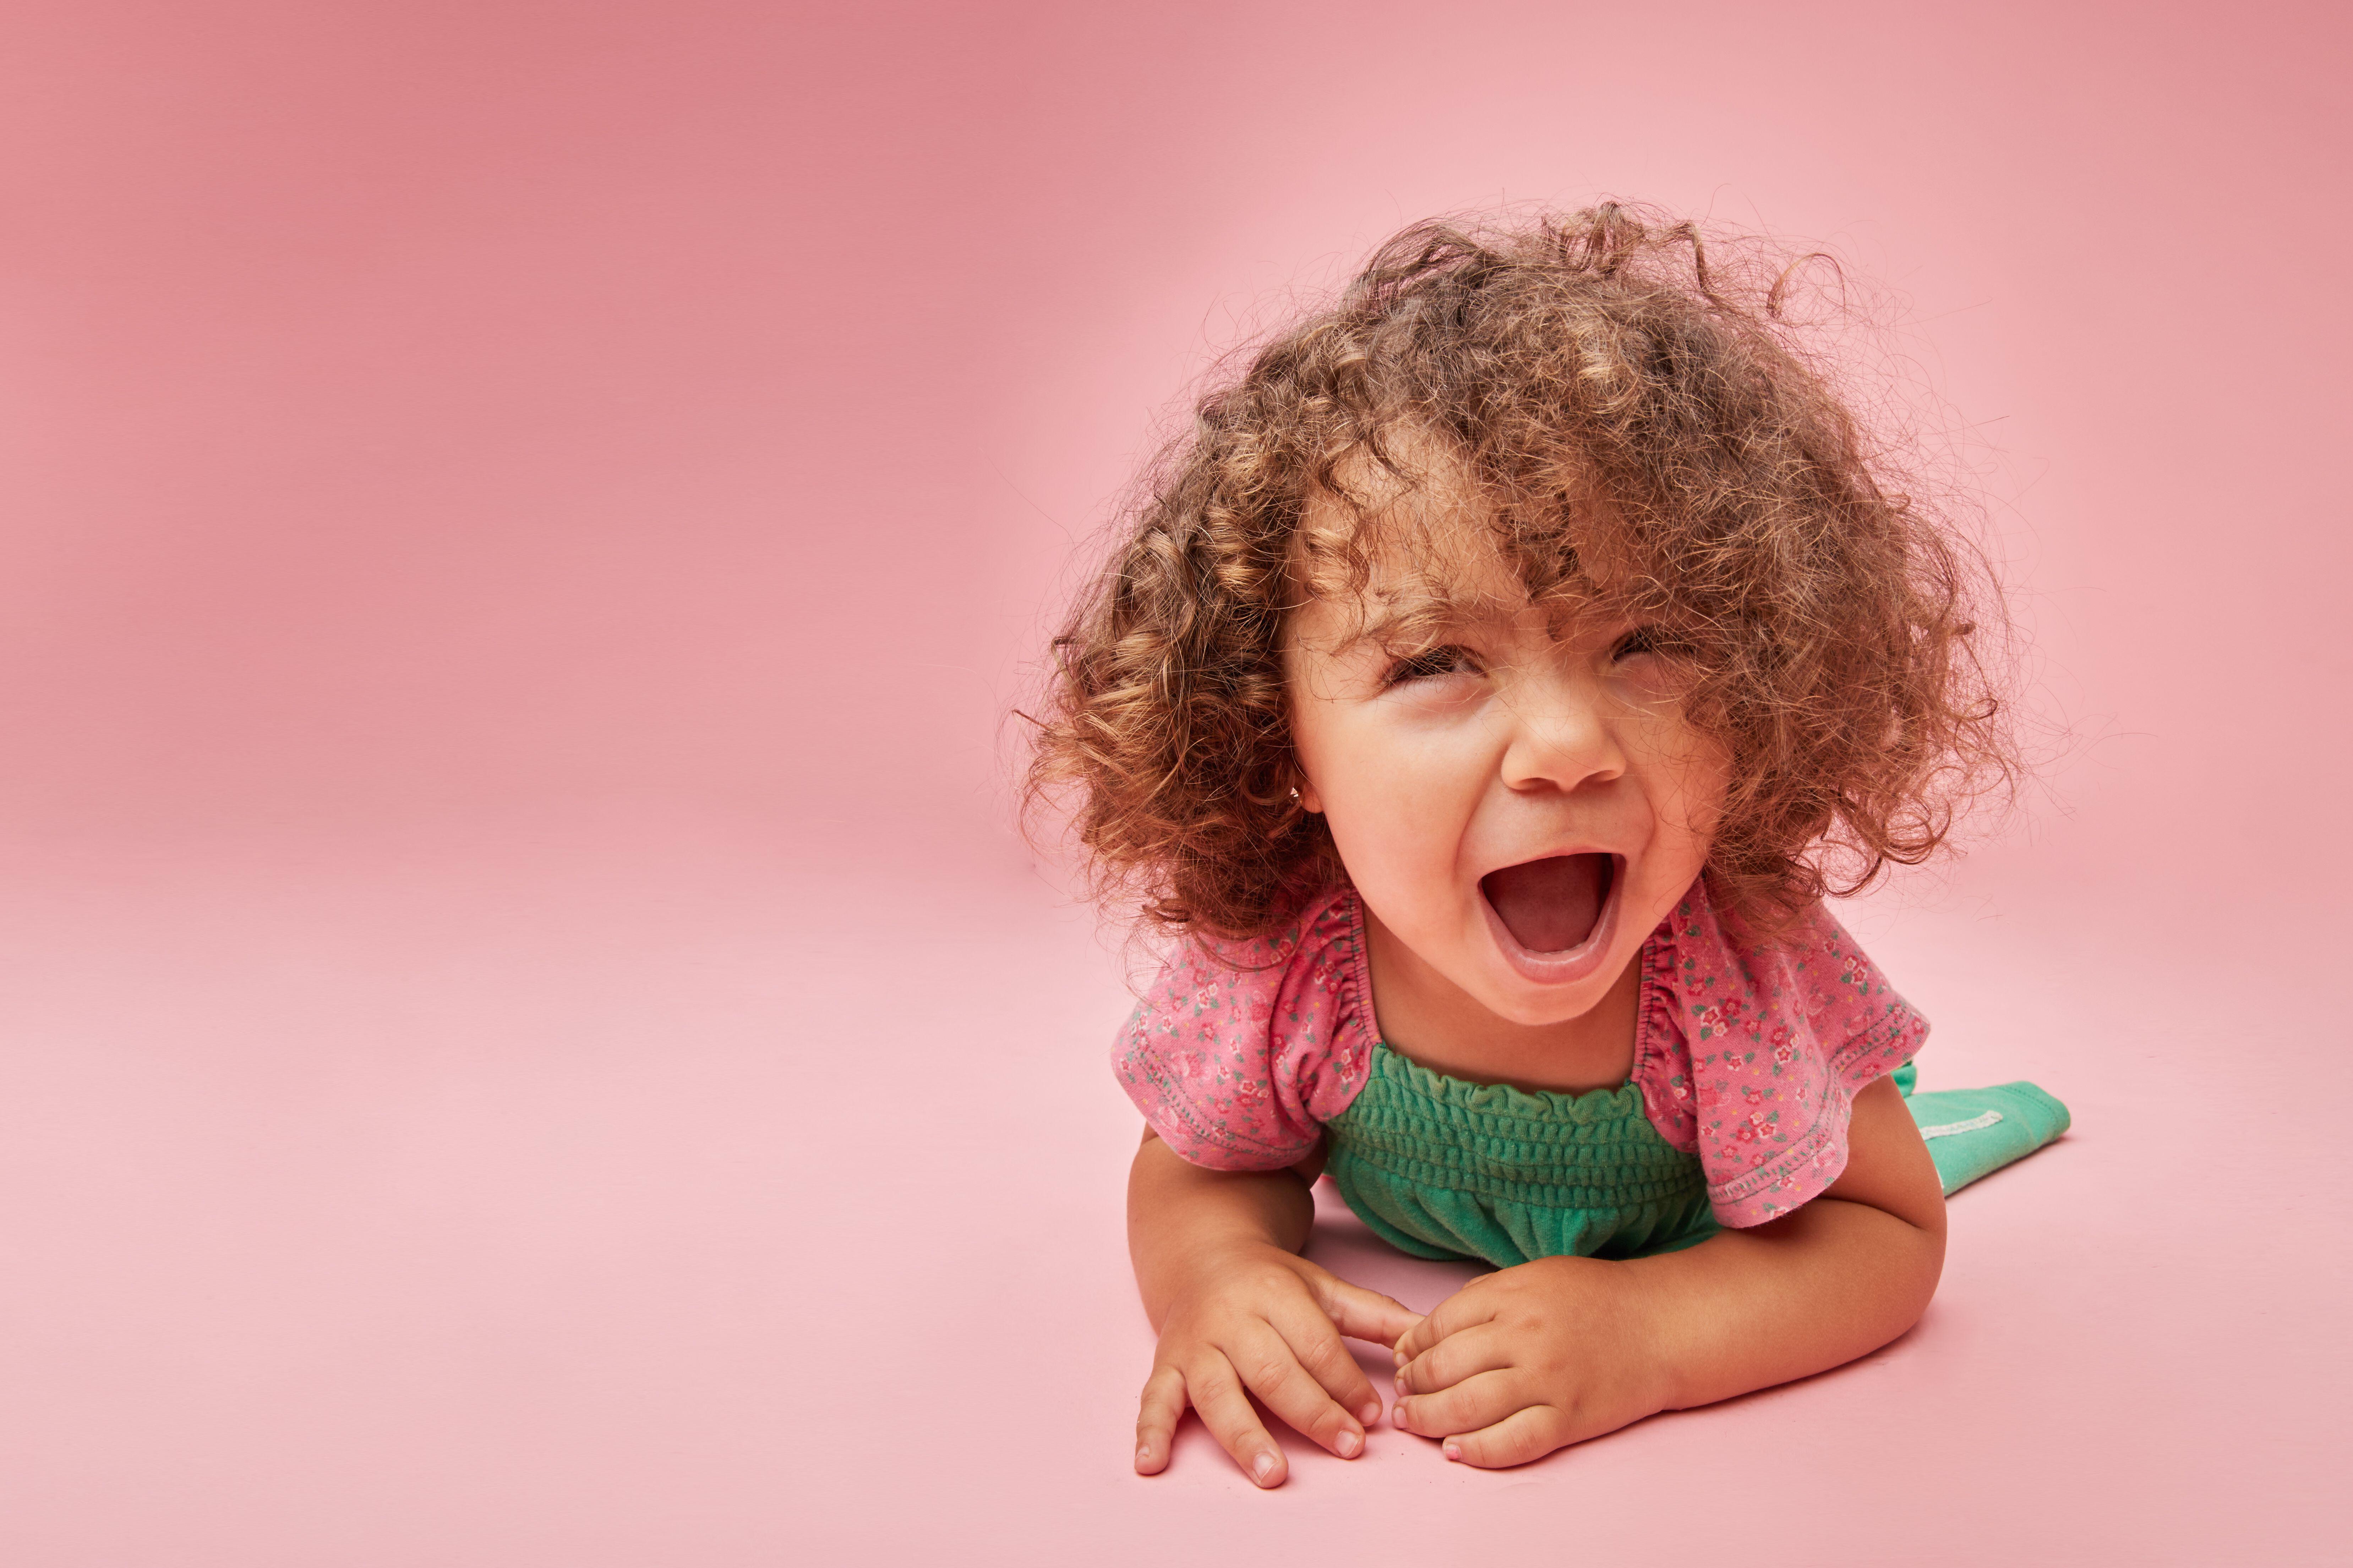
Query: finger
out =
(1526, 1433)
(1317, 1346)
(1363, 1314)
(1464, 1308)
(1479, 1348)
(1473, 1403)
(1272, 1369)
(1217, 1394)
(1162, 1406)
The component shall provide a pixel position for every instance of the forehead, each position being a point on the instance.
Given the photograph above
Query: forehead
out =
(1399, 551)
(1411, 526)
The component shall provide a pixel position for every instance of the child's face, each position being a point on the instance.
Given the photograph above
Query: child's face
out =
(1518, 810)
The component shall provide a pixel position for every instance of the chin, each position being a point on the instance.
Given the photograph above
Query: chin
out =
(1518, 1005)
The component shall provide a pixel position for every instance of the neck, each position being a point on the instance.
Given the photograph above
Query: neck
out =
(1429, 1019)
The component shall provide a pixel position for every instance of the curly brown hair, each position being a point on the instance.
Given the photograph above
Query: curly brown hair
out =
(1650, 431)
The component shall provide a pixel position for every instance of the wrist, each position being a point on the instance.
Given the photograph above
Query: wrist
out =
(1218, 1255)
(1651, 1363)
(1202, 1266)
(1184, 1221)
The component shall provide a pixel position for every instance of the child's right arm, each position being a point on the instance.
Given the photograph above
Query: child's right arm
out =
(1237, 1308)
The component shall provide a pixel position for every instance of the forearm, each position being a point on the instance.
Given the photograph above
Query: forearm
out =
(1180, 1215)
(1835, 1279)
(1749, 1309)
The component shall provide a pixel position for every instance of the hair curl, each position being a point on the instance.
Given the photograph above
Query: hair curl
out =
(1619, 391)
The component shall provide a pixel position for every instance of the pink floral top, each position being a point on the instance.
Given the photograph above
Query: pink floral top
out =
(1747, 1057)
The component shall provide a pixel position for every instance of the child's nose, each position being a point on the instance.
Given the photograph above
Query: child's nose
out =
(1561, 735)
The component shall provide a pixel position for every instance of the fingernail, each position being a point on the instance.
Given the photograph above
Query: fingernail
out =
(1401, 1416)
(1453, 1449)
(1370, 1412)
(1348, 1443)
(1263, 1466)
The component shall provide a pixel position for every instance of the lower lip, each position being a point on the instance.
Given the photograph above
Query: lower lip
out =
(1582, 962)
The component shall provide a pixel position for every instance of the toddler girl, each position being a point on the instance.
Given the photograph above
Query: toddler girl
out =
(1483, 695)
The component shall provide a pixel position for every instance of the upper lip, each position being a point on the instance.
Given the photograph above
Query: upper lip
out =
(1618, 854)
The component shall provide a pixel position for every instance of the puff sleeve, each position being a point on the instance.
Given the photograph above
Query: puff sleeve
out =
(1779, 1038)
(1240, 1052)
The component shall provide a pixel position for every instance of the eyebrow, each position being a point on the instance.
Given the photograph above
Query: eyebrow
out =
(1420, 622)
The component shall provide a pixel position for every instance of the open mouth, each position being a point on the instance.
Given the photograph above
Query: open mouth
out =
(1553, 905)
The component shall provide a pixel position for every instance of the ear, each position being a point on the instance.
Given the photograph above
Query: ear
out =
(1309, 801)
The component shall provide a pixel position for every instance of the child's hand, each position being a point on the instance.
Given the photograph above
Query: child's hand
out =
(1255, 1317)
(1531, 1359)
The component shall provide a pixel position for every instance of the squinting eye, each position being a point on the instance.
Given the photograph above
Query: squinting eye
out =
(1642, 639)
(1431, 663)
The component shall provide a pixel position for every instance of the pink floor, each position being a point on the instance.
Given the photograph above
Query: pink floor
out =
(526, 1037)
(510, 1212)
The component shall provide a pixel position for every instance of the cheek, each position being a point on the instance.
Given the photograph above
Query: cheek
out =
(1388, 809)
(1688, 772)
(1393, 808)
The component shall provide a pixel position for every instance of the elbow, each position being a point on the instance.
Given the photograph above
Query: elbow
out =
(1917, 1265)
(1929, 1266)
(1895, 1260)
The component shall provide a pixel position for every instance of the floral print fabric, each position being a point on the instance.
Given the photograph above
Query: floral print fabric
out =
(1747, 1057)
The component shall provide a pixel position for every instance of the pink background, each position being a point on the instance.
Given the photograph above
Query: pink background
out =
(526, 1034)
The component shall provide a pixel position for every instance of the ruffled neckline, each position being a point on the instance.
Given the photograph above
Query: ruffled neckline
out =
(1656, 961)
(1583, 1107)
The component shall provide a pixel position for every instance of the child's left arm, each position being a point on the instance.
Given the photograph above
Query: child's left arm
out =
(1527, 1359)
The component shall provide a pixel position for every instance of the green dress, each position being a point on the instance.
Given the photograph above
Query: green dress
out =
(1443, 1168)
(1247, 1055)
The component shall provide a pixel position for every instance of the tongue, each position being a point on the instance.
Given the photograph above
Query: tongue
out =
(1550, 905)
